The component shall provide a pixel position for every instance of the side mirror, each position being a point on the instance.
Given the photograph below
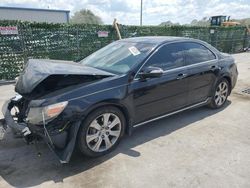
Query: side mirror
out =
(151, 72)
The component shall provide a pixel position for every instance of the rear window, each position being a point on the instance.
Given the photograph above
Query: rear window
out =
(197, 53)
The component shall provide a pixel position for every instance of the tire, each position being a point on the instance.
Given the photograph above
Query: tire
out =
(101, 131)
(220, 94)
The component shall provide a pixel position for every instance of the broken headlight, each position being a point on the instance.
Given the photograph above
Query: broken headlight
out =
(40, 115)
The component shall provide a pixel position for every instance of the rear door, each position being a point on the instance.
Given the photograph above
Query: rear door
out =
(202, 68)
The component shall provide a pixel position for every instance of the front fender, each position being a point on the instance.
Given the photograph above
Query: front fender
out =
(65, 154)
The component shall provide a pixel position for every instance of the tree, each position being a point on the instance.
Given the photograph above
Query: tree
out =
(203, 22)
(194, 22)
(85, 16)
(168, 23)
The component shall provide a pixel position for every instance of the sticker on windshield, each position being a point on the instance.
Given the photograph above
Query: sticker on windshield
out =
(134, 50)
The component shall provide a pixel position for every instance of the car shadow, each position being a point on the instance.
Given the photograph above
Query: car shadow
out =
(20, 166)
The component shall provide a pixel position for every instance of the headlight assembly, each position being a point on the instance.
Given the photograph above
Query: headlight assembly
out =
(37, 115)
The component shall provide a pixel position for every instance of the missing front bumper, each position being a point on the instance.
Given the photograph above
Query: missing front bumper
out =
(61, 144)
(8, 120)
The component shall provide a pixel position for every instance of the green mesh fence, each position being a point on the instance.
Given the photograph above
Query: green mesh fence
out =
(74, 42)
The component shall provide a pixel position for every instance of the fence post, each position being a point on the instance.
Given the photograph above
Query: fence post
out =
(245, 39)
(216, 39)
(232, 42)
(198, 34)
(77, 43)
(211, 36)
(22, 39)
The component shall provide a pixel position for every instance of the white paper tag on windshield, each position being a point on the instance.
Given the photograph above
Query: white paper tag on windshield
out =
(134, 50)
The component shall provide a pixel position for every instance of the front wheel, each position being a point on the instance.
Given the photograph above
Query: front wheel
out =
(221, 93)
(101, 131)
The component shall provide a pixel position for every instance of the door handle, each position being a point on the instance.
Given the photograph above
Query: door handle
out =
(181, 76)
(214, 67)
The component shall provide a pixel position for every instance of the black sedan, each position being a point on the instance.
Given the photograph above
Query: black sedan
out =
(93, 103)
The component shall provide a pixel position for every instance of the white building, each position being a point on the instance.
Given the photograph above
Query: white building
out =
(34, 15)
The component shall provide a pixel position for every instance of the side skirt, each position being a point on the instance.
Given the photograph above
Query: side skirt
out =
(172, 113)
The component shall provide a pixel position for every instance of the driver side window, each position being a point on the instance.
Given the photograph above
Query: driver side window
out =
(168, 57)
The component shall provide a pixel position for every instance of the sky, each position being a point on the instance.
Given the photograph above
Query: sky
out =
(127, 12)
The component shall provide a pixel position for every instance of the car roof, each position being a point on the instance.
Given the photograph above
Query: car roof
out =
(157, 39)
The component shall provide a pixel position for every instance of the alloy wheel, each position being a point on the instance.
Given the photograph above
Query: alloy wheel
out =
(221, 93)
(103, 132)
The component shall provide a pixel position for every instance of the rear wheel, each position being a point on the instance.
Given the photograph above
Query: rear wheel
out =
(101, 131)
(221, 93)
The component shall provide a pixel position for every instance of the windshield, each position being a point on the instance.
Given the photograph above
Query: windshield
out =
(118, 57)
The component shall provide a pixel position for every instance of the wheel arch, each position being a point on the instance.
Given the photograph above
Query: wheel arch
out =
(117, 104)
(229, 81)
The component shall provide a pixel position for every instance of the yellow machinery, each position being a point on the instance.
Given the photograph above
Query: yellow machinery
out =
(222, 21)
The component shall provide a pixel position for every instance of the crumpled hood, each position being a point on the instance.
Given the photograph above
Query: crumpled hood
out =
(37, 70)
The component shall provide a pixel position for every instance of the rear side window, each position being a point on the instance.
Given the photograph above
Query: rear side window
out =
(196, 53)
(168, 57)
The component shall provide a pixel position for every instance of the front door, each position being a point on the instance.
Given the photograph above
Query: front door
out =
(154, 97)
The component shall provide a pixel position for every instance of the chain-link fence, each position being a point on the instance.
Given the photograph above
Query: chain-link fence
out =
(74, 42)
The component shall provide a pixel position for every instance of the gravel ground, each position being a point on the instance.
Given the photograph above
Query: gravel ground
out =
(196, 148)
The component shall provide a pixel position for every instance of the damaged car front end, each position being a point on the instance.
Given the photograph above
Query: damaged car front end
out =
(35, 123)
(43, 107)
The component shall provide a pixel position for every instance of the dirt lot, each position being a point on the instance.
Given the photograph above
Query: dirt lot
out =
(197, 148)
